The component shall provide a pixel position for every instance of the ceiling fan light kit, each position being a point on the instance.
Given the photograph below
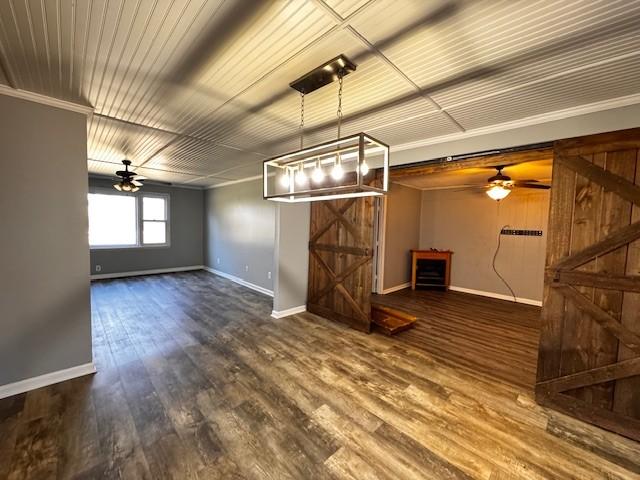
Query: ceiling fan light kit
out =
(500, 185)
(129, 182)
(343, 168)
(498, 192)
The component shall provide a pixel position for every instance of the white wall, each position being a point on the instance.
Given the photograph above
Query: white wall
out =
(45, 318)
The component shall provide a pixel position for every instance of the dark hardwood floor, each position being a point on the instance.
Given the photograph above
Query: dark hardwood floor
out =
(196, 380)
(485, 336)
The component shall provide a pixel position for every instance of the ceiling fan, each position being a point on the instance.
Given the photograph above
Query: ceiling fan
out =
(500, 185)
(129, 181)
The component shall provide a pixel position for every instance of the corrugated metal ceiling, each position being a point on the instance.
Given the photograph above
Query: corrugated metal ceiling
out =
(196, 91)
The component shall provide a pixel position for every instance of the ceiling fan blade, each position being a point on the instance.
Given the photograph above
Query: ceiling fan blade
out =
(139, 177)
(540, 186)
(137, 183)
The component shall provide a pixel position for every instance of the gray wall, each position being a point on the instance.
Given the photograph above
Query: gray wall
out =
(240, 232)
(468, 223)
(291, 256)
(45, 318)
(402, 233)
(186, 233)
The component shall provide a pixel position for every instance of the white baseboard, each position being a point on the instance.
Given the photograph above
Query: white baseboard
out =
(500, 296)
(240, 281)
(47, 379)
(288, 311)
(396, 288)
(103, 276)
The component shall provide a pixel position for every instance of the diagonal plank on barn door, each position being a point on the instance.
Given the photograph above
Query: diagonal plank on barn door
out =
(589, 359)
(616, 240)
(327, 225)
(340, 261)
(335, 278)
(610, 181)
(613, 326)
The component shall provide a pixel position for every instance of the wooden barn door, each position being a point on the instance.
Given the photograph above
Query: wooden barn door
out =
(340, 261)
(589, 359)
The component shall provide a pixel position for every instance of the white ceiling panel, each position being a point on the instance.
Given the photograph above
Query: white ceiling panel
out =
(113, 141)
(108, 169)
(344, 8)
(197, 91)
(103, 167)
(451, 40)
(200, 157)
(426, 126)
(610, 80)
(241, 172)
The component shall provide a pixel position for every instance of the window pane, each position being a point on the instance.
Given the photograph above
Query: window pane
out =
(112, 220)
(154, 232)
(153, 208)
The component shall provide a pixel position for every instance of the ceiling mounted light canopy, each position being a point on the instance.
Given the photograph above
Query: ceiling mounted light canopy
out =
(129, 181)
(353, 166)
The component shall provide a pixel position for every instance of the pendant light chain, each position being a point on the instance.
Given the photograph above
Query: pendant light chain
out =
(340, 80)
(301, 119)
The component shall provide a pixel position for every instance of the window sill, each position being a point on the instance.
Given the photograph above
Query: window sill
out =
(130, 247)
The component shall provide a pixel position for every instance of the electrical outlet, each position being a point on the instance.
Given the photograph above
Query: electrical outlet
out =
(218, 261)
(98, 268)
(246, 268)
(269, 275)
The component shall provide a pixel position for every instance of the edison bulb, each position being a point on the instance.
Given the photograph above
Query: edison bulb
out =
(284, 180)
(364, 168)
(301, 177)
(337, 172)
(317, 175)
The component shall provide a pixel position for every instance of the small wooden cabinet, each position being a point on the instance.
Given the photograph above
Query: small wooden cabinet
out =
(430, 268)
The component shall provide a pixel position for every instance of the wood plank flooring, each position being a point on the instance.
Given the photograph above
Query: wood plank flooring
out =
(484, 336)
(196, 380)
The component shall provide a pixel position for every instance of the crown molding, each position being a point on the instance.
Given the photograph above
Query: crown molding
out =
(45, 100)
(527, 121)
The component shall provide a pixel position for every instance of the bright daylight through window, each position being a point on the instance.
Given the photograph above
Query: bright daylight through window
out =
(123, 221)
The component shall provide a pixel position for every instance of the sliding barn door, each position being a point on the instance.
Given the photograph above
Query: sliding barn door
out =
(340, 261)
(589, 359)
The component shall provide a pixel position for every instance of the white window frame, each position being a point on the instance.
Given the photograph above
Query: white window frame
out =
(139, 219)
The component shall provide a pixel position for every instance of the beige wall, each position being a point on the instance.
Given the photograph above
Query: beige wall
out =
(402, 233)
(468, 223)
(45, 318)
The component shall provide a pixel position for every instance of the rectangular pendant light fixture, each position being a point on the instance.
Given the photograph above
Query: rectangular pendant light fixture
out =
(354, 166)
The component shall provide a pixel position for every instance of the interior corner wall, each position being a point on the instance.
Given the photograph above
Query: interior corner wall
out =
(468, 222)
(45, 317)
(402, 233)
(240, 232)
(186, 234)
(291, 256)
